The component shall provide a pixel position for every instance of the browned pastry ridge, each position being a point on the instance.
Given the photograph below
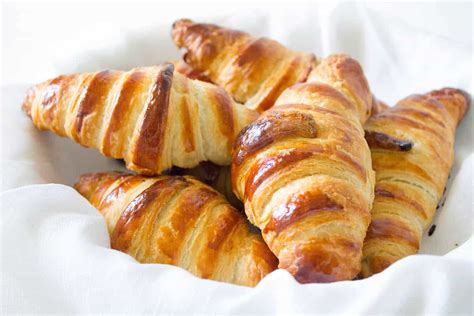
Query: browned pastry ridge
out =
(303, 170)
(412, 154)
(255, 71)
(179, 221)
(152, 117)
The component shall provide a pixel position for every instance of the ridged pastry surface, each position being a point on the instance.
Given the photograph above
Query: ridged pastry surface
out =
(179, 221)
(303, 170)
(255, 71)
(152, 117)
(412, 153)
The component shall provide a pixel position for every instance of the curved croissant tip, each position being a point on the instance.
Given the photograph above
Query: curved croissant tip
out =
(89, 182)
(28, 100)
(182, 22)
(466, 96)
(179, 29)
(444, 92)
(453, 92)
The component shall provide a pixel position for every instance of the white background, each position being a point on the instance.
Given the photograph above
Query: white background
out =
(55, 255)
(37, 38)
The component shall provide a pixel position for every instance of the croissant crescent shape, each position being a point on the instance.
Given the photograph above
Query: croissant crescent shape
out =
(412, 154)
(303, 170)
(179, 221)
(255, 71)
(152, 117)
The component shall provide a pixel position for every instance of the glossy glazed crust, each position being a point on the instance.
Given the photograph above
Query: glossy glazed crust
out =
(179, 221)
(345, 74)
(303, 170)
(152, 117)
(255, 71)
(412, 154)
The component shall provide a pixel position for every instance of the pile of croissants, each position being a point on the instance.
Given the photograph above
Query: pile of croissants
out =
(332, 183)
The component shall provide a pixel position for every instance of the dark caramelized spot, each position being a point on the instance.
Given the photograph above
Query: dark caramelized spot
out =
(384, 141)
(298, 206)
(272, 127)
(432, 230)
(150, 141)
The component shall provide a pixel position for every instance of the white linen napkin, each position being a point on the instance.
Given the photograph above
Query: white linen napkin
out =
(56, 255)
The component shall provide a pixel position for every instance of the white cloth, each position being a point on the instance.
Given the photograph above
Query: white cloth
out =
(55, 249)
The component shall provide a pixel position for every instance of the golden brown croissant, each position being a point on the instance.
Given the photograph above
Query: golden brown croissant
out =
(303, 170)
(179, 221)
(152, 117)
(255, 71)
(412, 153)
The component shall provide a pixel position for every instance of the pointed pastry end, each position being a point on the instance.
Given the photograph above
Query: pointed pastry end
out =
(453, 97)
(178, 30)
(182, 23)
(90, 183)
(28, 100)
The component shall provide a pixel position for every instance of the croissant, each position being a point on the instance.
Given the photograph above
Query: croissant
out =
(179, 221)
(255, 71)
(152, 117)
(303, 170)
(412, 154)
